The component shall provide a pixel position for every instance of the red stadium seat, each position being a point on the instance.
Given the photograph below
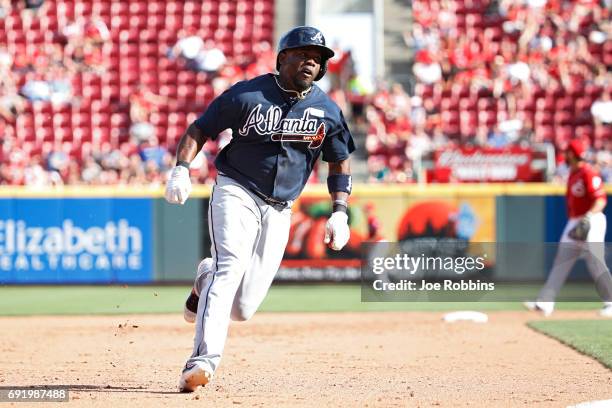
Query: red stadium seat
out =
(140, 34)
(544, 118)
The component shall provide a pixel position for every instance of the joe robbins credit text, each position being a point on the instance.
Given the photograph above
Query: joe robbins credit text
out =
(423, 285)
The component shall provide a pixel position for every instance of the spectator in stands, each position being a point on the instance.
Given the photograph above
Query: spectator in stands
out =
(83, 57)
(134, 173)
(52, 86)
(143, 103)
(73, 173)
(377, 169)
(339, 68)
(33, 4)
(199, 168)
(90, 171)
(110, 158)
(263, 63)
(438, 139)
(540, 61)
(11, 170)
(189, 48)
(140, 132)
(153, 175)
(5, 8)
(60, 86)
(210, 59)
(31, 10)
(58, 163)
(602, 109)
(426, 68)
(11, 104)
(35, 175)
(85, 42)
(152, 151)
(36, 89)
(95, 32)
(418, 145)
(418, 114)
(603, 159)
(6, 65)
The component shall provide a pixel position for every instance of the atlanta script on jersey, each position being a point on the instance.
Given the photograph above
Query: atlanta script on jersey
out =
(276, 139)
(304, 129)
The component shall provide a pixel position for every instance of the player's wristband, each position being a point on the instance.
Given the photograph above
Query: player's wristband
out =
(340, 205)
(183, 163)
(339, 182)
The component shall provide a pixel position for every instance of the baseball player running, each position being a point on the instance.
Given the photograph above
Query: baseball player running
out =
(280, 125)
(583, 235)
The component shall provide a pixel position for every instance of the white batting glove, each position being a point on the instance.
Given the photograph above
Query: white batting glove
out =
(178, 186)
(337, 230)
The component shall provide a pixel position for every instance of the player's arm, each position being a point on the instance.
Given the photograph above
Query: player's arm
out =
(342, 168)
(339, 184)
(178, 187)
(598, 206)
(190, 144)
(595, 190)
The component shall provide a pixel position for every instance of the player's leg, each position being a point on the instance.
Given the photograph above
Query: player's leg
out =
(596, 261)
(234, 222)
(567, 254)
(203, 276)
(258, 278)
(264, 264)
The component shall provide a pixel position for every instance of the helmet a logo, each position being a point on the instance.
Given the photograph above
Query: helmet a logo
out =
(318, 37)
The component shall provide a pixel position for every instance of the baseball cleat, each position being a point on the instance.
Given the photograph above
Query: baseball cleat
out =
(190, 311)
(606, 311)
(192, 377)
(545, 307)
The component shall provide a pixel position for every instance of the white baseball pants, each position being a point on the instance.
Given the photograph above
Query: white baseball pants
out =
(570, 250)
(248, 242)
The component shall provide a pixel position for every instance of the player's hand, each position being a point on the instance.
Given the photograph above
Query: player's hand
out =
(178, 186)
(337, 231)
(581, 231)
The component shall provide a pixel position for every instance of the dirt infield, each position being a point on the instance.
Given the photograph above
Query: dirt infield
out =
(317, 360)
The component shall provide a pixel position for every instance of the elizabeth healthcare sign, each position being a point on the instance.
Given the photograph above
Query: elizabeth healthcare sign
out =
(75, 240)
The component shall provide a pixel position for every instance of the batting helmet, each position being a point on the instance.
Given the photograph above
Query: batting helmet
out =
(304, 36)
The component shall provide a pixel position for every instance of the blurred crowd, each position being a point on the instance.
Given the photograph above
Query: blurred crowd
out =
(497, 74)
(70, 115)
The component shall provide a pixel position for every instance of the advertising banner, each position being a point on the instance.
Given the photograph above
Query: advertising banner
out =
(76, 240)
(467, 164)
(456, 218)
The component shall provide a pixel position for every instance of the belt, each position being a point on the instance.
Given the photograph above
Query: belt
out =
(269, 200)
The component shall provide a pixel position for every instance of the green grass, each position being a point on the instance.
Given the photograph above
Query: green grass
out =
(591, 337)
(79, 300)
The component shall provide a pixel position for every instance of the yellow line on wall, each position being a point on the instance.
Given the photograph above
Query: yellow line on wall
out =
(370, 190)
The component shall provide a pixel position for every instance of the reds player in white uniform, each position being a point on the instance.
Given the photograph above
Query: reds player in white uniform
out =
(583, 236)
(280, 124)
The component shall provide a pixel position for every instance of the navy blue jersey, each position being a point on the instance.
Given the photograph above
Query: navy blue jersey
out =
(276, 139)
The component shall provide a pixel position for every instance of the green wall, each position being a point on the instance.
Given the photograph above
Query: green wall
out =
(178, 239)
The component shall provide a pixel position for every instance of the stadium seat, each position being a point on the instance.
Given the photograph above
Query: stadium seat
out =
(142, 31)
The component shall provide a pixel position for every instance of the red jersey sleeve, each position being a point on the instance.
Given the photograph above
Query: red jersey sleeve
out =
(594, 184)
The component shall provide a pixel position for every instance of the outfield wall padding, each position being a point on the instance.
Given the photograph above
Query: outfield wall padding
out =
(131, 235)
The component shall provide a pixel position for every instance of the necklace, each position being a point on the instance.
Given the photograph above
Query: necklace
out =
(299, 95)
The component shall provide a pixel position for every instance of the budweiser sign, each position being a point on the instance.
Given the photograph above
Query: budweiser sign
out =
(482, 165)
